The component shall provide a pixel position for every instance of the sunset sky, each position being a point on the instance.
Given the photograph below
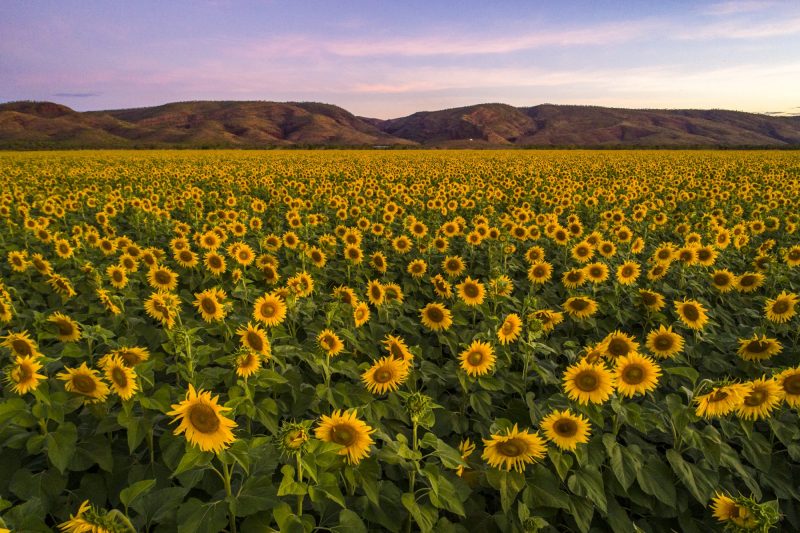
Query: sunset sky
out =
(388, 59)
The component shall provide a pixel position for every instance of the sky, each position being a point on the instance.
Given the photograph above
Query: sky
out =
(388, 59)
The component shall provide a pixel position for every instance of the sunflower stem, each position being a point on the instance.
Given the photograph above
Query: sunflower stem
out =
(299, 480)
(226, 478)
(412, 479)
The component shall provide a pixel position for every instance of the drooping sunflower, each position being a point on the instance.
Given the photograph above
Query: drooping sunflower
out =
(760, 399)
(692, 313)
(270, 310)
(585, 382)
(580, 307)
(465, 448)
(210, 303)
(549, 319)
(471, 291)
(510, 329)
(385, 375)
(21, 344)
(758, 348)
(254, 338)
(345, 429)
(162, 278)
(652, 300)
(247, 364)
(397, 348)
(441, 286)
(663, 342)
(513, 449)
(361, 314)
(67, 329)
(636, 374)
(121, 377)
(721, 400)
(781, 308)
(789, 383)
(202, 421)
(724, 508)
(375, 293)
(565, 429)
(87, 520)
(164, 307)
(330, 343)
(478, 359)
(84, 381)
(61, 285)
(618, 344)
(23, 376)
(436, 317)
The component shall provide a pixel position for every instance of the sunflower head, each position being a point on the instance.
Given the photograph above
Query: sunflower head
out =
(513, 449)
(478, 359)
(202, 421)
(585, 382)
(347, 430)
(565, 429)
(385, 375)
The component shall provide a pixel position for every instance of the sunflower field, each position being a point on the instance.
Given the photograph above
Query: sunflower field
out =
(352, 341)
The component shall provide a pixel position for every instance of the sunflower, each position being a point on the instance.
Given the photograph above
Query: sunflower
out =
(18, 261)
(397, 348)
(163, 307)
(723, 280)
(186, 258)
(86, 520)
(585, 382)
(61, 285)
(378, 262)
(346, 295)
(21, 344)
(692, 313)
(749, 281)
(781, 308)
(353, 253)
(510, 329)
(118, 276)
(86, 382)
(549, 319)
(566, 430)
(121, 377)
(596, 272)
(215, 263)
(210, 303)
(465, 448)
(758, 349)
(789, 383)
(721, 400)
(664, 342)
(453, 266)
(133, 355)
(385, 375)
(348, 431)
(628, 272)
(361, 314)
(375, 293)
(202, 421)
(247, 364)
(513, 450)
(23, 375)
(254, 338)
(501, 286)
(582, 252)
(330, 343)
(572, 279)
(761, 398)
(478, 359)
(580, 307)
(724, 508)
(618, 344)
(162, 278)
(393, 293)
(436, 317)
(6, 311)
(441, 286)
(270, 310)
(652, 300)
(636, 374)
(417, 268)
(657, 272)
(471, 291)
(540, 272)
(792, 256)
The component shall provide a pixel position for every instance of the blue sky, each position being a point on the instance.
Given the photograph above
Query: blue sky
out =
(388, 59)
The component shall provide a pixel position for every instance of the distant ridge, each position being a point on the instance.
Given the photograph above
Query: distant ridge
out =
(207, 124)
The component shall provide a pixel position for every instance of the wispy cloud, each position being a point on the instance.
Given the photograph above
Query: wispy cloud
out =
(76, 95)
(742, 29)
(735, 7)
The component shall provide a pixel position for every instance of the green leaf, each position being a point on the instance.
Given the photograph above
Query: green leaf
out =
(350, 522)
(685, 371)
(424, 516)
(193, 458)
(562, 462)
(588, 482)
(624, 463)
(328, 486)
(443, 494)
(289, 485)
(656, 479)
(582, 511)
(700, 482)
(196, 516)
(61, 445)
(509, 483)
(129, 494)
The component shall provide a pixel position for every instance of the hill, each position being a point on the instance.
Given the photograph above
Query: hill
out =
(208, 124)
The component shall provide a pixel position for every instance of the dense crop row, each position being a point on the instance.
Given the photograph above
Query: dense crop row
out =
(343, 341)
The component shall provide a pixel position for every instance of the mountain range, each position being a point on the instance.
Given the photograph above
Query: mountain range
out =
(212, 124)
